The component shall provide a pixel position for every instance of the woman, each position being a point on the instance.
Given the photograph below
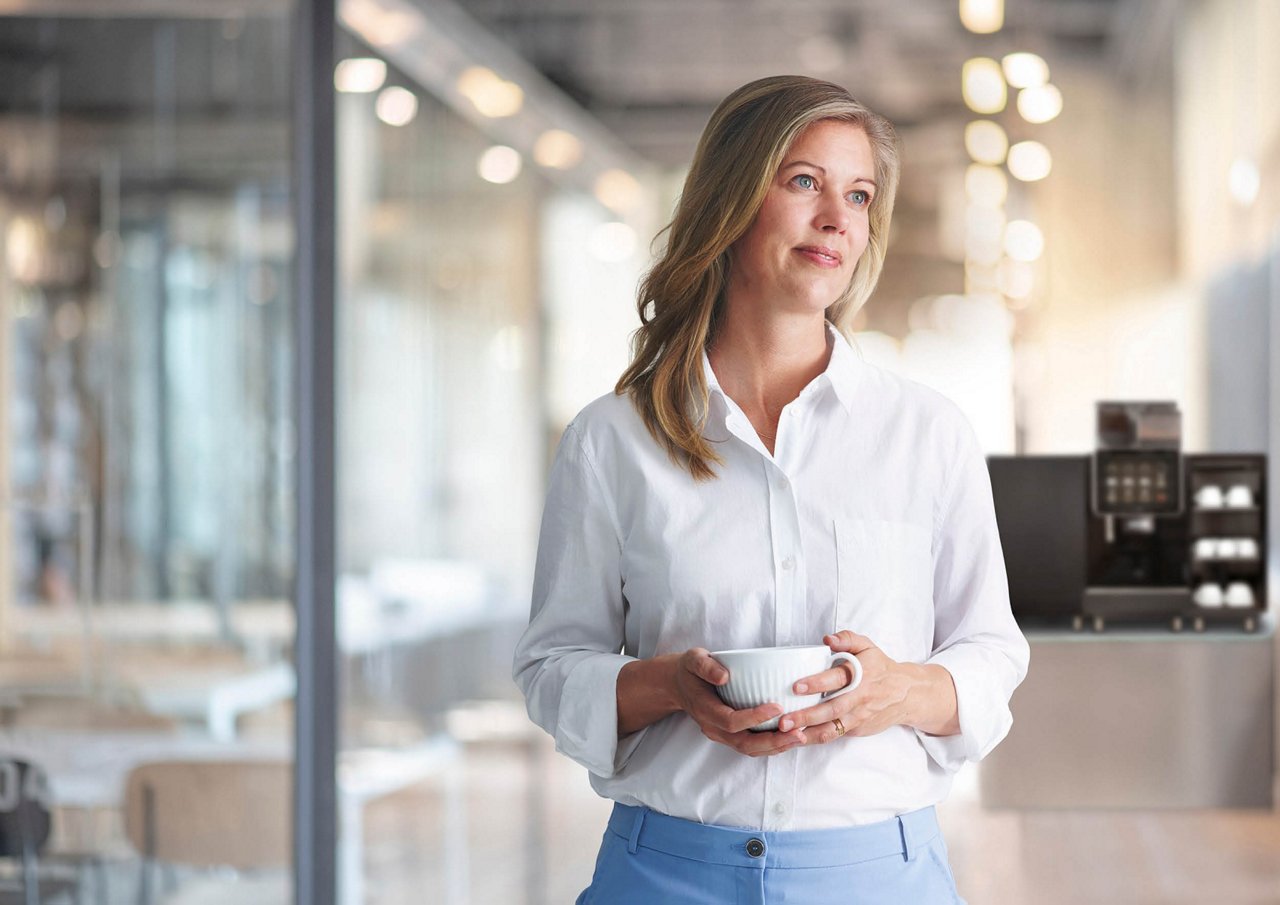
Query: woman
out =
(753, 483)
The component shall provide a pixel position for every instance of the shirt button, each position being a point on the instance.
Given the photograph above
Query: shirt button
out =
(755, 848)
(779, 808)
(788, 563)
(784, 484)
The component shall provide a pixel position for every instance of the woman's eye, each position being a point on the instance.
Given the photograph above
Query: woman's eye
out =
(804, 180)
(860, 198)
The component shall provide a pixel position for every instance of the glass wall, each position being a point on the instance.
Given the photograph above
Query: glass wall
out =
(485, 295)
(147, 445)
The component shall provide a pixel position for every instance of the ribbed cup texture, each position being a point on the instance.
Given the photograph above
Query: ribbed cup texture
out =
(751, 688)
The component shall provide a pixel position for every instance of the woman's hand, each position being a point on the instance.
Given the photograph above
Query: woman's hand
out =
(879, 702)
(696, 675)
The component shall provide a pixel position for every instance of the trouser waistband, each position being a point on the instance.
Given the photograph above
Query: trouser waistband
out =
(646, 828)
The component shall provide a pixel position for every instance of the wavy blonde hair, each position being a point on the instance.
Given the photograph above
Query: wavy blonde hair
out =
(681, 298)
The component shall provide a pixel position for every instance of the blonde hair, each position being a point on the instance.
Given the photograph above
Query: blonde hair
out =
(681, 297)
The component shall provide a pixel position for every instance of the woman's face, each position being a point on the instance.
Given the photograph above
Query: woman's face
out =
(800, 252)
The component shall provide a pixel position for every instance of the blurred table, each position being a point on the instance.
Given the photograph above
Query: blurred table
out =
(214, 696)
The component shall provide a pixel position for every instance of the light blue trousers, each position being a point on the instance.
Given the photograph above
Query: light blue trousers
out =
(649, 858)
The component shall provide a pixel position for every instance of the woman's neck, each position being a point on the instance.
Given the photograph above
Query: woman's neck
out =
(763, 364)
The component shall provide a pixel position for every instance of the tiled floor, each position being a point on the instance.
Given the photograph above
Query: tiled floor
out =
(999, 857)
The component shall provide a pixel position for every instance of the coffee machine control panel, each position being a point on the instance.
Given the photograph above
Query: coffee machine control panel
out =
(1137, 482)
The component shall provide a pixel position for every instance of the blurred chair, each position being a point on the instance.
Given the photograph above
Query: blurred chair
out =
(25, 824)
(207, 814)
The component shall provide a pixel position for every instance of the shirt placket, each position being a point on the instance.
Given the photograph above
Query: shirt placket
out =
(790, 622)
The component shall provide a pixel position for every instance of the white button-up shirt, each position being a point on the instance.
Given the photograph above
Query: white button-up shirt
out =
(874, 513)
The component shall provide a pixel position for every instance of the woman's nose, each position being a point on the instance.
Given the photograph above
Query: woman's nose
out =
(833, 215)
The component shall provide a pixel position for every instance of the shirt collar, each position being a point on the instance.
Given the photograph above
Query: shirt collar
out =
(841, 375)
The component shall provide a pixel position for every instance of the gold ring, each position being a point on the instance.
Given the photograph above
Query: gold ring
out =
(839, 727)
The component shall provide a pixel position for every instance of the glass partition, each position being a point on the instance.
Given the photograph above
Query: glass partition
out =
(147, 448)
(484, 296)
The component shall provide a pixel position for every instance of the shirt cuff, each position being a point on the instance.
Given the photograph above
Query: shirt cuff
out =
(983, 714)
(587, 730)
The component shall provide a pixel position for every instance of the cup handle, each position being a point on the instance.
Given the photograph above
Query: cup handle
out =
(846, 657)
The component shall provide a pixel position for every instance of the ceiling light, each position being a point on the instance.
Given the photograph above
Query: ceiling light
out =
(1023, 240)
(396, 106)
(1030, 161)
(1025, 70)
(985, 186)
(359, 75)
(982, 83)
(499, 164)
(982, 17)
(986, 142)
(1039, 105)
(618, 190)
(557, 149)
(492, 95)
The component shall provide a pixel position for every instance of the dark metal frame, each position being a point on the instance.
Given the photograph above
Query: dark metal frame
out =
(315, 731)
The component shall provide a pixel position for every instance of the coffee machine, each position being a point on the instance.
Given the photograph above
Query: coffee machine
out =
(1137, 532)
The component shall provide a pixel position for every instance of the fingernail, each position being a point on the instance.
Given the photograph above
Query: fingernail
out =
(786, 725)
(801, 687)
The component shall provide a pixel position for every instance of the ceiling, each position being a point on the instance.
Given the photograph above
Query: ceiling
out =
(653, 70)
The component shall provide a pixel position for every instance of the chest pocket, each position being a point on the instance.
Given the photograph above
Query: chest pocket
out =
(885, 585)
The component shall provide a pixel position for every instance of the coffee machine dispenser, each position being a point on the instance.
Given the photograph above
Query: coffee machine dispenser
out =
(1136, 532)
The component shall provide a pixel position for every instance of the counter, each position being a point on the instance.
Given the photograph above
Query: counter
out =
(1140, 718)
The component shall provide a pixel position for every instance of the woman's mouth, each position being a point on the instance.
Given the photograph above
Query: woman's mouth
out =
(820, 255)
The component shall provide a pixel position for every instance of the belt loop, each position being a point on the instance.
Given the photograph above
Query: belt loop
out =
(908, 844)
(634, 839)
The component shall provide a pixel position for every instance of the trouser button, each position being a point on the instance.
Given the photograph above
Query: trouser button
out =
(755, 848)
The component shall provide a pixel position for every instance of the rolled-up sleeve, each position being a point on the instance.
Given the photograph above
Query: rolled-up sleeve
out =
(975, 636)
(567, 661)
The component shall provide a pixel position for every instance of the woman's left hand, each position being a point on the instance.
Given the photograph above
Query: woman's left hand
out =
(877, 703)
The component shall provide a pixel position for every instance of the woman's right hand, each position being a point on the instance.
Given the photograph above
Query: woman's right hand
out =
(696, 675)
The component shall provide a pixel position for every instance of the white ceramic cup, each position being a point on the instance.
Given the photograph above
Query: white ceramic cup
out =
(764, 675)
(1208, 594)
(1209, 497)
(1206, 548)
(1228, 548)
(1239, 594)
(1239, 497)
(1247, 548)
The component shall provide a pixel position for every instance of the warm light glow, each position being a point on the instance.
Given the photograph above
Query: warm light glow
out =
(1025, 70)
(982, 17)
(1030, 161)
(612, 242)
(983, 234)
(618, 190)
(1023, 241)
(1017, 279)
(1244, 181)
(489, 93)
(396, 106)
(359, 75)
(985, 186)
(1039, 105)
(982, 83)
(499, 164)
(986, 142)
(558, 149)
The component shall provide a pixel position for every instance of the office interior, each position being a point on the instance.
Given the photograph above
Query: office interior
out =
(1089, 213)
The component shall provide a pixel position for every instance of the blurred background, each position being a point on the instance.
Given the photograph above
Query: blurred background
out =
(1089, 211)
